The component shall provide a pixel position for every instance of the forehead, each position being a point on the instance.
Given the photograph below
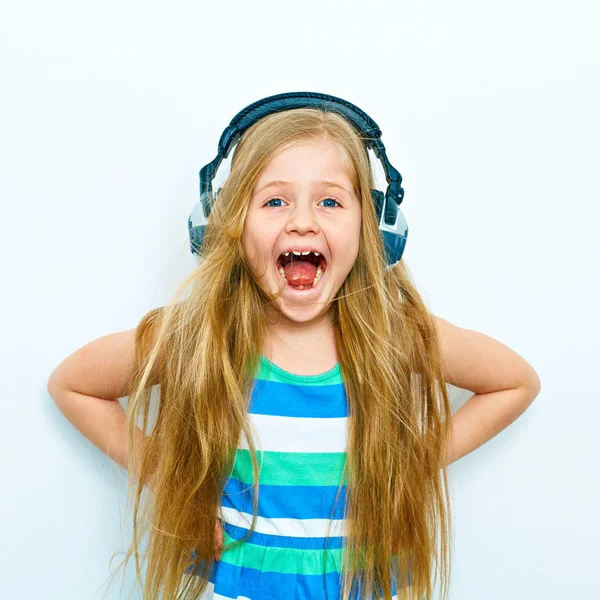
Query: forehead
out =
(315, 163)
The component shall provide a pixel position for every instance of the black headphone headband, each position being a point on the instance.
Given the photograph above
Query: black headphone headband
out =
(367, 128)
(255, 111)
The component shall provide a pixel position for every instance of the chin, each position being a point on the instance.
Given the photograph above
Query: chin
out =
(302, 306)
(301, 314)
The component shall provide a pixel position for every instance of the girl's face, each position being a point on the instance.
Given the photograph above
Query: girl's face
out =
(303, 201)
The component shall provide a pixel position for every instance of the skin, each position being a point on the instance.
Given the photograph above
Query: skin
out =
(304, 212)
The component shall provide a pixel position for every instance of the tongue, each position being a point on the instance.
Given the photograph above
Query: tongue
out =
(300, 272)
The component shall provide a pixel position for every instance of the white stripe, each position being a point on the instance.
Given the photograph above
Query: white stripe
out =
(273, 433)
(209, 594)
(302, 528)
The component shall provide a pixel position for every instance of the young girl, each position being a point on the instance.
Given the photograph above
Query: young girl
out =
(303, 405)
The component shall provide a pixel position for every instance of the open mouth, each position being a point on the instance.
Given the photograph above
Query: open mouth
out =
(301, 270)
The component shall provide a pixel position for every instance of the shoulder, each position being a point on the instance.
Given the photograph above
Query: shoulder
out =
(477, 362)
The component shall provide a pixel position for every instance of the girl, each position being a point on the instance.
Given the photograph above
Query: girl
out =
(303, 403)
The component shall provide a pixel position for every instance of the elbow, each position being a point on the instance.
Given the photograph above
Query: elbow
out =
(530, 382)
(536, 384)
(532, 388)
(54, 387)
(50, 387)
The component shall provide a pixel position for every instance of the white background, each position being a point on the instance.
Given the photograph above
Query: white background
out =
(490, 112)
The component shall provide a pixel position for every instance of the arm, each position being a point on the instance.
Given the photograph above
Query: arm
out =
(86, 386)
(504, 385)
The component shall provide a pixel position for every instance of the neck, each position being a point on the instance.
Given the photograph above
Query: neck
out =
(297, 347)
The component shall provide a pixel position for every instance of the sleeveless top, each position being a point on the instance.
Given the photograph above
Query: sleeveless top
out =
(298, 424)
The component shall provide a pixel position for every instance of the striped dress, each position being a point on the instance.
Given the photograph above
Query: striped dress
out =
(299, 428)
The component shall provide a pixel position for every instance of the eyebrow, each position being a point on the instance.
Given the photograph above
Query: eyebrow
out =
(315, 184)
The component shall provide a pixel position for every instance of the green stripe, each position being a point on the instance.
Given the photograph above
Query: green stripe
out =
(270, 372)
(291, 468)
(282, 560)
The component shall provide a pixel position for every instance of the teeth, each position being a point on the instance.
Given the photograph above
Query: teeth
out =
(297, 253)
(282, 272)
(319, 274)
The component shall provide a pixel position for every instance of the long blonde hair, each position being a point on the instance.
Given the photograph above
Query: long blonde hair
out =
(203, 351)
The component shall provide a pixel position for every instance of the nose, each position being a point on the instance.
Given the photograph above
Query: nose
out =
(302, 219)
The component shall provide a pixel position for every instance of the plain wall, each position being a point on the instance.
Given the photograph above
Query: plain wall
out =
(490, 113)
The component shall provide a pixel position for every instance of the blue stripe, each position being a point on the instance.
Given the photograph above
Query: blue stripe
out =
(288, 400)
(286, 501)
(232, 581)
(284, 541)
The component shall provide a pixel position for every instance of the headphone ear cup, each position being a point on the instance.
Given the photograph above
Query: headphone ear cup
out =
(378, 197)
(196, 224)
(392, 226)
(391, 208)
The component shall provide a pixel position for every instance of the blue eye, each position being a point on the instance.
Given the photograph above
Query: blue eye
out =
(273, 200)
(332, 200)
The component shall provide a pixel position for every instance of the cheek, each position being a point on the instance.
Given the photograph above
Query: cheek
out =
(350, 253)
(257, 246)
(349, 240)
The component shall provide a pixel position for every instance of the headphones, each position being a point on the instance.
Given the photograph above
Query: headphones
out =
(392, 222)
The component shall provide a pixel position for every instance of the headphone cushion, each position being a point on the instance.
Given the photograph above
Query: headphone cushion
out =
(378, 197)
